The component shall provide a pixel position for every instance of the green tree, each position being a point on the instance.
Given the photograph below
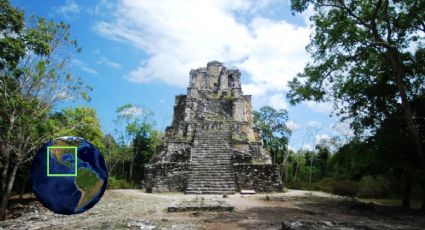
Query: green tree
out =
(144, 147)
(111, 152)
(81, 122)
(368, 57)
(273, 129)
(33, 79)
(133, 121)
(323, 155)
(275, 134)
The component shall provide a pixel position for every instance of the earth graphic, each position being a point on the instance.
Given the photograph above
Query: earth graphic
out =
(63, 186)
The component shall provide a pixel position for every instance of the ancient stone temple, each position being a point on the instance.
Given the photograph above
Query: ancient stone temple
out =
(212, 146)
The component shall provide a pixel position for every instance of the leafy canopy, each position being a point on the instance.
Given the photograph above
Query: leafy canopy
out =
(351, 48)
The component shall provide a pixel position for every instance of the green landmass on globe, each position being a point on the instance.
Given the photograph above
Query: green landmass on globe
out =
(88, 184)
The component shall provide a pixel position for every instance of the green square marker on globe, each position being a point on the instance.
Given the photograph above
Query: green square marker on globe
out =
(57, 152)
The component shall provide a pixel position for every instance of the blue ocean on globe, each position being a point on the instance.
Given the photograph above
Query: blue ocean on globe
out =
(56, 183)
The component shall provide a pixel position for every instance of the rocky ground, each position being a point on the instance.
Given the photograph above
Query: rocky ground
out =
(134, 209)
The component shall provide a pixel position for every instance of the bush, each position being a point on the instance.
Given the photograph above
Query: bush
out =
(371, 187)
(345, 188)
(338, 187)
(301, 185)
(114, 183)
(325, 184)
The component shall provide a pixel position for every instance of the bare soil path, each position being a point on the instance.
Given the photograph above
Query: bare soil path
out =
(134, 209)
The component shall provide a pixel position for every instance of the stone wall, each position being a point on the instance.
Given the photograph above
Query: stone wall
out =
(166, 177)
(261, 177)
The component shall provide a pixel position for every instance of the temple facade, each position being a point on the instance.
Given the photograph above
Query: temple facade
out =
(212, 146)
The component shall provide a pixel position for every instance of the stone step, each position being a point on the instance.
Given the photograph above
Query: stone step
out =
(217, 169)
(195, 179)
(211, 169)
(207, 174)
(210, 184)
(224, 176)
(217, 161)
(211, 162)
(224, 162)
(211, 166)
(217, 188)
(212, 153)
(212, 156)
(212, 191)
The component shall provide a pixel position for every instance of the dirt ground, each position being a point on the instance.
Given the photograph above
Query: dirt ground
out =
(134, 209)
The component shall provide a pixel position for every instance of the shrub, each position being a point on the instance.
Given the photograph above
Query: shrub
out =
(114, 183)
(371, 187)
(338, 187)
(345, 188)
(302, 185)
(325, 184)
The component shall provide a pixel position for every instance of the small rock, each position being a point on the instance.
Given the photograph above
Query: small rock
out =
(328, 223)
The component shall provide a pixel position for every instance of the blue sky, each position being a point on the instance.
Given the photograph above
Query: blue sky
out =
(141, 52)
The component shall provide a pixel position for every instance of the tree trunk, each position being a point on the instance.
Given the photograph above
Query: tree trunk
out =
(122, 170)
(407, 190)
(286, 175)
(282, 172)
(399, 75)
(311, 169)
(23, 187)
(6, 192)
(131, 169)
(423, 199)
(4, 177)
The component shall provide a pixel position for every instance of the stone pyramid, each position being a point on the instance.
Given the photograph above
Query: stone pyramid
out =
(212, 146)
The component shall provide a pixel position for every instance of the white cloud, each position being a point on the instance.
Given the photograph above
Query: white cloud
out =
(322, 139)
(89, 70)
(103, 6)
(133, 111)
(292, 125)
(83, 66)
(106, 61)
(320, 107)
(69, 8)
(181, 35)
(313, 124)
(277, 101)
(343, 129)
(306, 147)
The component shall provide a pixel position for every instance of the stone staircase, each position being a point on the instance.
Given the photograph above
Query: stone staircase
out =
(211, 170)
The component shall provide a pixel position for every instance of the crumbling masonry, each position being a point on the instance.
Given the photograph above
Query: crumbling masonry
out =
(212, 146)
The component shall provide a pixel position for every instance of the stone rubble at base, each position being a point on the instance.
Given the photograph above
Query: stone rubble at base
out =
(212, 146)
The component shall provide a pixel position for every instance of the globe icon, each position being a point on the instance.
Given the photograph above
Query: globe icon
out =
(69, 175)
